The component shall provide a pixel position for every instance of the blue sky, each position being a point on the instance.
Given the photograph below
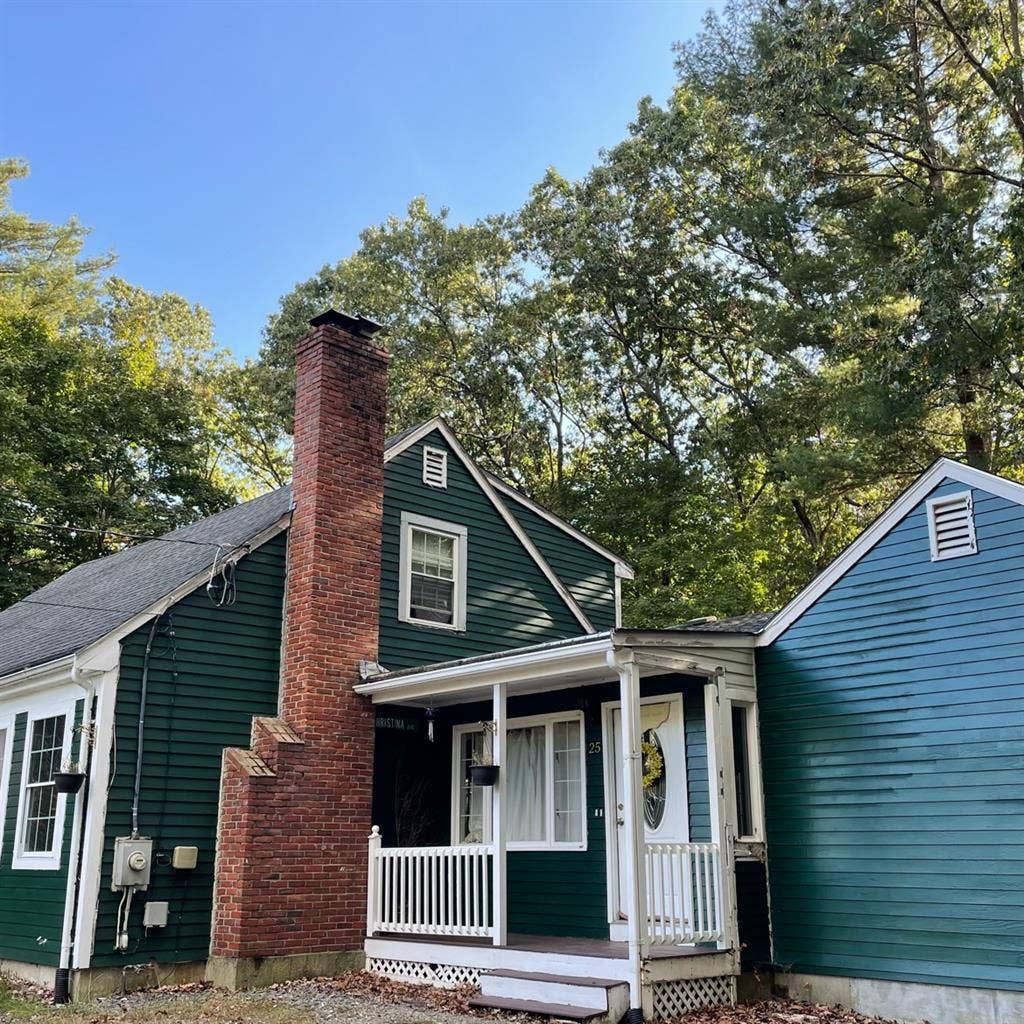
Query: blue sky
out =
(226, 151)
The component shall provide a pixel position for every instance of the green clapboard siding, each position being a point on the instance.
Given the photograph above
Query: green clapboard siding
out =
(589, 576)
(32, 902)
(509, 601)
(552, 892)
(892, 735)
(205, 685)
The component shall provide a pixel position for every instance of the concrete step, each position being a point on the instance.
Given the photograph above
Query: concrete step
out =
(553, 1011)
(556, 996)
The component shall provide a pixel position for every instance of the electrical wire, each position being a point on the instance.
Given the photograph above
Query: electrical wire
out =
(123, 535)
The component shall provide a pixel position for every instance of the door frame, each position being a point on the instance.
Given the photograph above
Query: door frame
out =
(617, 927)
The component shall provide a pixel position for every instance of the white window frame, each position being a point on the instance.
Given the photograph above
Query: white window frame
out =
(7, 728)
(948, 499)
(429, 451)
(749, 709)
(460, 535)
(50, 860)
(548, 721)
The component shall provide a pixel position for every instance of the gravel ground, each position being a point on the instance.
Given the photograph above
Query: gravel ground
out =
(353, 999)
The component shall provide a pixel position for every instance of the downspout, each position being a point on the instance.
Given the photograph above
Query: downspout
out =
(62, 979)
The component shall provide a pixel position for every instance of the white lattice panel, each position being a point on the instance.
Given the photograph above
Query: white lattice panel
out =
(674, 998)
(416, 973)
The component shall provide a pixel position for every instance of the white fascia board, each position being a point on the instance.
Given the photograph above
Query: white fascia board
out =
(480, 478)
(681, 639)
(37, 677)
(623, 570)
(534, 665)
(941, 470)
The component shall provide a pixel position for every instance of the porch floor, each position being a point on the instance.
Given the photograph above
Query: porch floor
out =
(601, 948)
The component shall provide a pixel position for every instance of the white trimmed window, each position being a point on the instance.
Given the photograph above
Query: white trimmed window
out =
(435, 467)
(40, 806)
(545, 785)
(6, 740)
(432, 584)
(951, 526)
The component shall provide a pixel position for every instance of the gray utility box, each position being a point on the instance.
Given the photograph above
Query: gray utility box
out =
(133, 860)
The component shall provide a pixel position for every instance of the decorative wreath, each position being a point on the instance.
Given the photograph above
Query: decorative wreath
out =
(653, 763)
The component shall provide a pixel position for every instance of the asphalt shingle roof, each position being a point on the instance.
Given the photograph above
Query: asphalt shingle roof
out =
(94, 598)
(752, 623)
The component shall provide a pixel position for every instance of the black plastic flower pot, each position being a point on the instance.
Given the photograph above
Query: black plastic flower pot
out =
(68, 782)
(483, 774)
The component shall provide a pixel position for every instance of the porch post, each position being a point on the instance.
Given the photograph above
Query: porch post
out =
(718, 727)
(499, 819)
(633, 824)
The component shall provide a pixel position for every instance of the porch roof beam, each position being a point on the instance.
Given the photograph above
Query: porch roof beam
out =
(564, 667)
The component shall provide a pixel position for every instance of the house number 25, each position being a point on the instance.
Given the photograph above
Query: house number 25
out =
(594, 747)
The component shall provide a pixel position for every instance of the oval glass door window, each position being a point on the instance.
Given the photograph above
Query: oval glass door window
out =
(654, 779)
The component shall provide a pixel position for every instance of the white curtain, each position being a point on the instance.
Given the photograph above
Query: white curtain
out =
(526, 783)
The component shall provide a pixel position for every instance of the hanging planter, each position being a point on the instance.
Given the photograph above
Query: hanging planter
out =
(68, 782)
(483, 774)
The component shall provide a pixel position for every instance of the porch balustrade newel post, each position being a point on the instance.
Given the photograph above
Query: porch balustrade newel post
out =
(718, 724)
(499, 822)
(373, 881)
(632, 814)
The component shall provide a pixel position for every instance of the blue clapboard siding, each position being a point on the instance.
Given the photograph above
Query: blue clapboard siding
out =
(892, 735)
(32, 902)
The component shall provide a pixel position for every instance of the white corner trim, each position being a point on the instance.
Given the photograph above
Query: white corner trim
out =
(460, 535)
(482, 482)
(96, 817)
(6, 754)
(895, 513)
(50, 860)
(623, 570)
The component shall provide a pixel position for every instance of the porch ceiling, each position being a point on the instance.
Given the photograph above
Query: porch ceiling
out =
(565, 664)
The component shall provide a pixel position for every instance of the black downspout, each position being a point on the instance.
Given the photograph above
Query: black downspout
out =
(62, 980)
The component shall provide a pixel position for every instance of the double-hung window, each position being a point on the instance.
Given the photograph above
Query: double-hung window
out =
(545, 790)
(432, 587)
(41, 808)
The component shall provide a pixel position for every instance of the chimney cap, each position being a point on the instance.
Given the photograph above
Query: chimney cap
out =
(361, 326)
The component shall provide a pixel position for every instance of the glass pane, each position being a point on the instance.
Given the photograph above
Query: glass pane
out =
(568, 778)
(47, 745)
(471, 798)
(433, 554)
(431, 599)
(39, 818)
(654, 779)
(741, 765)
(527, 782)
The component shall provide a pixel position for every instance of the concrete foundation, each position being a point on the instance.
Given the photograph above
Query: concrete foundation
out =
(110, 981)
(907, 1002)
(34, 974)
(234, 973)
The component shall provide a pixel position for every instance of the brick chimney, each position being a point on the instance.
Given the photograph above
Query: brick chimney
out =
(295, 808)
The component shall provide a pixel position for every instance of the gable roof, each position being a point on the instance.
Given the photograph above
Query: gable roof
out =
(93, 599)
(409, 437)
(942, 469)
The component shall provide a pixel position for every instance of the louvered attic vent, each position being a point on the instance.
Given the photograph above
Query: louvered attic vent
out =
(951, 526)
(435, 467)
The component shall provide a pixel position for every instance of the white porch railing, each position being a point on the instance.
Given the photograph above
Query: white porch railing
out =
(429, 890)
(684, 893)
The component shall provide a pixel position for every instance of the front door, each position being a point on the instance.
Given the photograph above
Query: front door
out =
(664, 796)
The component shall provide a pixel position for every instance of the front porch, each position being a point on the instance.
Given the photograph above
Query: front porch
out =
(569, 867)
